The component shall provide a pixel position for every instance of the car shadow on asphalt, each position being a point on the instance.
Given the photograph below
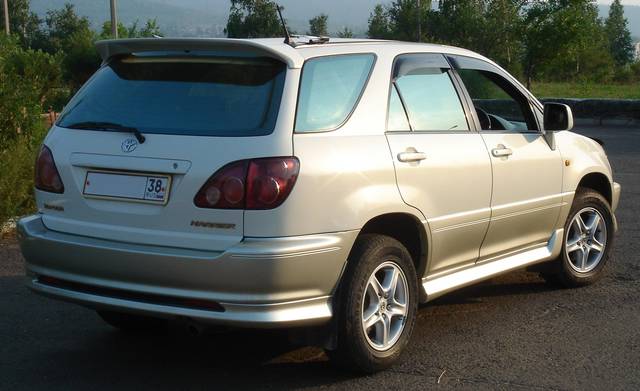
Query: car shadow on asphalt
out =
(239, 358)
(224, 359)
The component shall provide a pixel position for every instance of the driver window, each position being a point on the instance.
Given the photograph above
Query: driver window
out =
(498, 104)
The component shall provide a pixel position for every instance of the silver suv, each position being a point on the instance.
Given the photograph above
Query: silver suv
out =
(336, 184)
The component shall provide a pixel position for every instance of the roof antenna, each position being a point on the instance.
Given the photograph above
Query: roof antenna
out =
(287, 36)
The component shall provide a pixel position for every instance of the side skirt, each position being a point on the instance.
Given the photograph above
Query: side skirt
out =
(438, 286)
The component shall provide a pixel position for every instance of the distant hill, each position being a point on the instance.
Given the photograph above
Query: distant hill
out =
(174, 20)
(209, 17)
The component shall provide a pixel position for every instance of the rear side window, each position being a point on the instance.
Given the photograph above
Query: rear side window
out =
(431, 101)
(329, 90)
(197, 95)
(397, 121)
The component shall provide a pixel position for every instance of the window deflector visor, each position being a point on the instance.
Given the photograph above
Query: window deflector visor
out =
(419, 64)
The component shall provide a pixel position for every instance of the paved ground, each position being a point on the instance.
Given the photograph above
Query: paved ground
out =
(511, 333)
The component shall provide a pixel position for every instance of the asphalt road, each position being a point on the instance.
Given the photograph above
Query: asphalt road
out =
(513, 332)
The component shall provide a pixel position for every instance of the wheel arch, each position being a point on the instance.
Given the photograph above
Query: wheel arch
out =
(408, 230)
(599, 182)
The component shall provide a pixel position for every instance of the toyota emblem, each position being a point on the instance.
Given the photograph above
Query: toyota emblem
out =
(129, 145)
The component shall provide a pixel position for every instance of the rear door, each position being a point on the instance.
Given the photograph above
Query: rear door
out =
(442, 166)
(198, 113)
(527, 172)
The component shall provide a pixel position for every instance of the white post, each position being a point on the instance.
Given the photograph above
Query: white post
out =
(6, 16)
(419, 22)
(114, 20)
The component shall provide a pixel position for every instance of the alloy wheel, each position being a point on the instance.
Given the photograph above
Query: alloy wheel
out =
(586, 240)
(385, 306)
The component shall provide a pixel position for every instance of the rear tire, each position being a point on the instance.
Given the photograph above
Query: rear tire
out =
(132, 323)
(587, 242)
(376, 305)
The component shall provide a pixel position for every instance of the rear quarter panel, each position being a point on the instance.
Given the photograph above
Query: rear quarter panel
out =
(346, 175)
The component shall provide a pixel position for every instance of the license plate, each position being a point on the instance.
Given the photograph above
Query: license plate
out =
(128, 186)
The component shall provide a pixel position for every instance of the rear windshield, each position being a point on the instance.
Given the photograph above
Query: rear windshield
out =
(205, 96)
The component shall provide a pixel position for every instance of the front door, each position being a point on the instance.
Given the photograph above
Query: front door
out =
(527, 172)
(442, 167)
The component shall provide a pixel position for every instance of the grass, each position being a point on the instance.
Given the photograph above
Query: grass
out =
(586, 90)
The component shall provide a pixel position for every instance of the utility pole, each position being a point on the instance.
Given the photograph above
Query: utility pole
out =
(114, 20)
(6, 16)
(419, 22)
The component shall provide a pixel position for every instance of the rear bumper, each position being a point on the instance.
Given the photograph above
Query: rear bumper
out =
(261, 282)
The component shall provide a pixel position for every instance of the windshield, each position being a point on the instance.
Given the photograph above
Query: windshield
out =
(206, 96)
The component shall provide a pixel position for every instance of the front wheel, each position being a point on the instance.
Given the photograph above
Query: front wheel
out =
(588, 237)
(376, 306)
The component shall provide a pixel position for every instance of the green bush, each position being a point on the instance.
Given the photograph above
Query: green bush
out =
(26, 79)
(16, 182)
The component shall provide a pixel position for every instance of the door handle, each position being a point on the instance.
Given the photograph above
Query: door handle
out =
(501, 151)
(409, 157)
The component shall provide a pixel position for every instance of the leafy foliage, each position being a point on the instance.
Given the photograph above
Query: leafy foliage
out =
(545, 39)
(379, 23)
(16, 181)
(253, 19)
(345, 33)
(26, 78)
(318, 25)
(149, 30)
(23, 23)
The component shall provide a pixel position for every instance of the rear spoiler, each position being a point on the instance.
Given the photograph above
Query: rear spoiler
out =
(116, 47)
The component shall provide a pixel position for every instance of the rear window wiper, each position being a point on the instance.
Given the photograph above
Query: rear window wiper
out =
(92, 125)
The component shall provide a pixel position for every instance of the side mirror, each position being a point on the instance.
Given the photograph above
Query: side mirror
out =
(557, 117)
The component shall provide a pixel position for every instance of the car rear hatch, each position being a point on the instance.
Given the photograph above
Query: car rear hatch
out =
(196, 111)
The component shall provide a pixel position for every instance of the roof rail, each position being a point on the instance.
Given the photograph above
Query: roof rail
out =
(309, 40)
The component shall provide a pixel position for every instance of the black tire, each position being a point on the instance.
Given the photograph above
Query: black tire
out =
(354, 351)
(132, 323)
(560, 271)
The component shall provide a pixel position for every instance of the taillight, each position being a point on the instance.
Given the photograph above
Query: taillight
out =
(47, 177)
(250, 184)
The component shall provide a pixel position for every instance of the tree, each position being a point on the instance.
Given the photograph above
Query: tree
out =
(461, 23)
(405, 16)
(582, 38)
(405, 20)
(253, 19)
(618, 35)
(379, 23)
(22, 22)
(62, 25)
(26, 78)
(538, 38)
(318, 25)
(105, 33)
(149, 30)
(345, 33)
(501, 40)
(71, 35)
(564, 40)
